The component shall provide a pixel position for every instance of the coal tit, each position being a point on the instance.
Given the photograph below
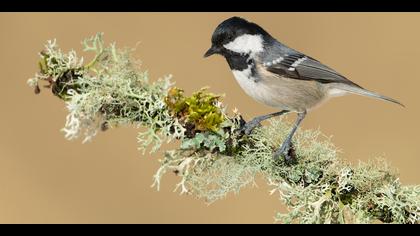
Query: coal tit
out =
(277, 75)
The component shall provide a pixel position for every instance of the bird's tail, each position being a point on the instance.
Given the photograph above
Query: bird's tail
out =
(367, 93)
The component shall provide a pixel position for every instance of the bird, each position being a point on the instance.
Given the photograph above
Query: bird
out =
(278, 76)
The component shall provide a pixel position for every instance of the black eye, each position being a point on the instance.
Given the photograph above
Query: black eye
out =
(228, 37)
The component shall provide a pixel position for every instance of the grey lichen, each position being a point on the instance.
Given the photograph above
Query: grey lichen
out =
(109, 91)
(215, 157)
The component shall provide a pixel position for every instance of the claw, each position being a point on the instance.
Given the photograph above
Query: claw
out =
(250, 126)
(287, 151)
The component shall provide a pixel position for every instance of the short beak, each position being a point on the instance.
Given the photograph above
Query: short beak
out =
(211, 51)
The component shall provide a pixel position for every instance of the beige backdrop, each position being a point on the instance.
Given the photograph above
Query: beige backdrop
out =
(47, 179)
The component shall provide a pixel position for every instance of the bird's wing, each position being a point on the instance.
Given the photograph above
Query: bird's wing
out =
(299, 66)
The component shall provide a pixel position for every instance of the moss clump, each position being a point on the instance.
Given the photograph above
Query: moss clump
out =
(200, 111)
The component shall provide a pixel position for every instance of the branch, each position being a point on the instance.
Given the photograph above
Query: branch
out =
(214, 157)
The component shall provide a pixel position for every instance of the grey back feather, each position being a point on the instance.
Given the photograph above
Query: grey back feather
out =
(307, 69)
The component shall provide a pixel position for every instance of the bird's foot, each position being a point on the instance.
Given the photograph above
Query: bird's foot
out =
(287, 151)
(250, 126)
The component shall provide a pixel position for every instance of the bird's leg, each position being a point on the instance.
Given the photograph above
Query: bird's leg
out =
(251, 125)
(285, 147)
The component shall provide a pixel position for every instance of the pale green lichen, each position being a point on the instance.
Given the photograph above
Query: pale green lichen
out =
(206, 175)
(109, 91)
(215, 158)
(207, 140)
(318, 188)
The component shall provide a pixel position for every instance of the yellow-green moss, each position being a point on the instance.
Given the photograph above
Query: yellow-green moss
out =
(200, 108)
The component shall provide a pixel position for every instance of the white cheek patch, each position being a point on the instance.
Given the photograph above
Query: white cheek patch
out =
(246, 43)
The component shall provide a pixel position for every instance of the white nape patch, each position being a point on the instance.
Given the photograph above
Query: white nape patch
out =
(246, 43)
(273, 62)
(335, 92)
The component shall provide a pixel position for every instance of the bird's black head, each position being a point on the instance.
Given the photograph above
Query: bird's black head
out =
(237, 35)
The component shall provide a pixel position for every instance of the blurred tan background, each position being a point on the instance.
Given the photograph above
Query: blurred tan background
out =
(46, 179)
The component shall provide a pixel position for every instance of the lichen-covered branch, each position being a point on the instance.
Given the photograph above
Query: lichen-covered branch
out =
(215, 157)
